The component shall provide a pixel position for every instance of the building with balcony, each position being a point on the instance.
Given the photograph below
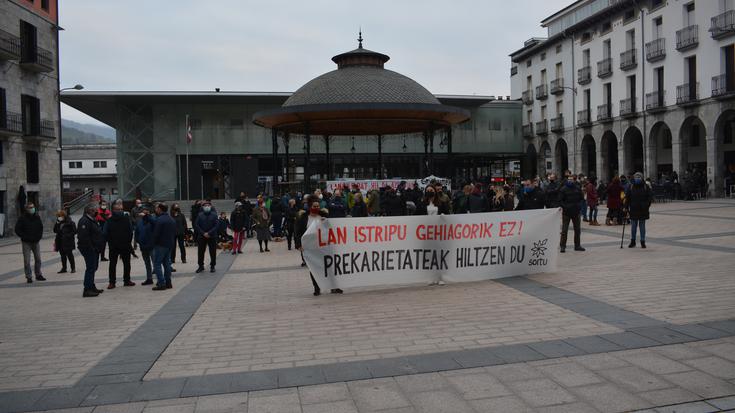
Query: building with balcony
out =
(29, 108)
(652, 105)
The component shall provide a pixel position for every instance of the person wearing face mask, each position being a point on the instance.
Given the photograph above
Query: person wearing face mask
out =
(431, 204)
(303, 222)
(552, 192)
(29, 229)
(205, 227)
(164, 235)
(262, 219)
(531, 197)
(144, 237)
(135, 213)
(118, 233)
(238, 220)
(65, 231)
(637, 201)
(90, 242)
(103, 214)
(570, 201)
(292, 212)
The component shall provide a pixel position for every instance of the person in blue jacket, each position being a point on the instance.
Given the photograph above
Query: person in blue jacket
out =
(164, 239)
(144, 238)
(206, 226)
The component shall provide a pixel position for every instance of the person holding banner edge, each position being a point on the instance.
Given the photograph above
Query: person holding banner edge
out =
(303, 222)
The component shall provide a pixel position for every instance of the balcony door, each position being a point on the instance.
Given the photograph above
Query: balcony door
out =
(728, 54)
(28, 41)
(660, 85)
(691, 76)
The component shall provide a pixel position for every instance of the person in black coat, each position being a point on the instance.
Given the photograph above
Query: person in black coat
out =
(394, 204)
(164, 235)
(637, 201)
(477, 201)
(303, 221)
(570, 201)
(289, 220)
(531, 197)
(181, 227)
(65, 231)
(276, 210)
(29, 229)
(90, 242)
(206, 231)
(552, 192)
(431, 204)
(118, 231)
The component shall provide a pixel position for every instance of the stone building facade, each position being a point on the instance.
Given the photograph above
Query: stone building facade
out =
(29, 108)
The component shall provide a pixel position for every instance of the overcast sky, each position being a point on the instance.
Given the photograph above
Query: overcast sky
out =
(450, 47)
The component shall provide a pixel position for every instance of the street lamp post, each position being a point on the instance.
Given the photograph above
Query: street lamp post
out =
(61, 162)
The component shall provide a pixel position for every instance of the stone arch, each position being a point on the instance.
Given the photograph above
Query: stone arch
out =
(530, 161)
(561, 157)
(722, 154)
(545, 159)
(660, 150)
(634, 154)
(589, 156)
(692, 145)
(609, 156)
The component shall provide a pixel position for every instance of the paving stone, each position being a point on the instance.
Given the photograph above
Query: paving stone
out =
(629, 340)
(714, 366)
(222, 402)
(694, 407)
(342, 406)
(724, 350)
(724, 325)
(62, 398)
(514, 372)
(111, 394)
(654, 362)
(440, 401)
(377, 394)
(635, 379)
(390, 367)
(274, 403)
(724, 403)
(516, 353)
(20, 400)
(184, 408)
(577, 407)
(478, 386)
(680, 352)
(607, 397)
(324, 393)
(476, 358)
(699, 331)
(121, 408)
(556, 348)
(601, 361)
(301, 376)
(254, 380)
(426, 363)
(160, 389)
(415, 383)
(541, 392)
(346, 372)
(593, 344)
(205, 385)
(668, 396)
(702, 384)
(501, 404)
(663, 335)
(570, 374)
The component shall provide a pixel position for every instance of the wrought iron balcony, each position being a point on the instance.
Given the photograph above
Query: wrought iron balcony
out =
(723, 25)
(584, 75)
(542, 128)
(38, 60)
(655, 101)
(47, 129)
(723, 86)
(604, 67)
(656, 49)
(629, 59)
(604, 113)
(528, 130)
(687, 38)
(527, 97)
(11, 124)
(557, 124)
(557, 86)
(9, 46)
(628, 107)
(687, 94)
(542, 92)
(583, 118)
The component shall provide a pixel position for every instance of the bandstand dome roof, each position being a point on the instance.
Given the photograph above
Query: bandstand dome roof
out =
(361, 97)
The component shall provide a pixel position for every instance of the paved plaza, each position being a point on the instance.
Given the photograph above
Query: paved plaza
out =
(612, 330)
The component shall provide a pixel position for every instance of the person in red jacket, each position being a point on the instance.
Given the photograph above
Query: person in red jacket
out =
(614, 203)
(103, 214)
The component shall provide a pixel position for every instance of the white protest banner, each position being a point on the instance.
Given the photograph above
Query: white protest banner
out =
(356, 252)
(366, 185)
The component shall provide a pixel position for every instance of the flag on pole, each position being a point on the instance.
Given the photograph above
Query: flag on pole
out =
(188, 130)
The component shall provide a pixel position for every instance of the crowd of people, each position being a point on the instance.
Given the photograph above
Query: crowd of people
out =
(158, 231)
